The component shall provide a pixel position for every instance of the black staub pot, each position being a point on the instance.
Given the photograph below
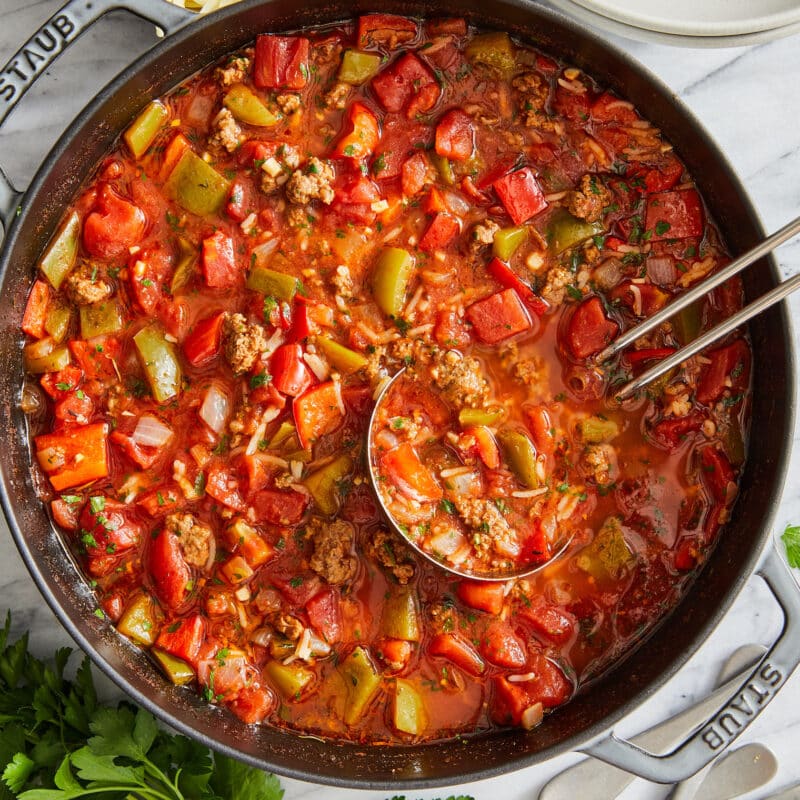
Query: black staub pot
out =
(585, 723)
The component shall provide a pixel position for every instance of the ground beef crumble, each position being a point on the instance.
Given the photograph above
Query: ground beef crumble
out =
(588, 201)
(85, 286)
(244, 342)
(194, 538)
(391, 553)
(333, 557)
(460, 379)
(313, 182)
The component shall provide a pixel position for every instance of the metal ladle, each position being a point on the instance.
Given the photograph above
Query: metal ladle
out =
(494, 575)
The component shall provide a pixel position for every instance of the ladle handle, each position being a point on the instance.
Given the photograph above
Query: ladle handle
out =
(44, 47)
(738, 713)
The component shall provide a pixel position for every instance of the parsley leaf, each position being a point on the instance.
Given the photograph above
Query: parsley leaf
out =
(791, 541)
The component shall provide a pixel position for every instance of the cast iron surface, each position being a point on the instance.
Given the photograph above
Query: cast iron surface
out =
(607, 700)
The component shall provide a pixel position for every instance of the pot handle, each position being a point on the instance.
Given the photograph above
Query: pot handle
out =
(732, 719)
(52, 38)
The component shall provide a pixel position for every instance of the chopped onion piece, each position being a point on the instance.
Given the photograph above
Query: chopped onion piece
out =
(262, 252)
(215, 409)
(532, 716)
(151, 432)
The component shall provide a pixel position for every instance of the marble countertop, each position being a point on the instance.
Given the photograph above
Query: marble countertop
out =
(749, 100)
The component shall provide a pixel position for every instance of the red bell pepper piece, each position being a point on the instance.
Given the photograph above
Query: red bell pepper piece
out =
(674, 215)
(143, 455)
(550, 687)
(520, 194)
(662, 177)
(168, 568)
(385, 29)
(506, 276)
(414, 174)
(290, 374)
(450, 330)
(502, 647)
(301, 323)
(362, 133)
(219, 262)
(161, 500)
(485, 445)
(731, 361)
(671, 433)
(541, 427)
(498, 317)
(403, 467)
(74, 457)
(203, 341)
(589, 330)
(638, 357)
(718, 474)
(281, 62)
(442, 229)
(407, 85)
(646, 295)
(455, 135)
(484, 595)
(36, 309)
(96, 359)
(497, 171)
(325, 614)
(458, 650)
(316, 413)
(183, 637)
(239, 201)
(113, 226)
(223, 485)
(59, 384)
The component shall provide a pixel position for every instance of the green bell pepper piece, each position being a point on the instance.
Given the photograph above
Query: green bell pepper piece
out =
(268, 282)
(100, 319)
(324, 483)
(358, 67)
(299, 455)
(521, 456)
(400, 618)
(409, 714)
(347, 361)
(362, 681)
(280, 647)
(289, 679)
(607, 556)
(178, 671)
(59, 258)
(138, 621)
(472, 417)
(565, 231)
(285, 430)
(688, 322)
(197, 186)
(596, 429)
(248, 107)
(508, 240)
(57, 322)
(391, 278)
(445, 168)
(730, 434)
(141, 133)
(54, 361)
(493, 50)
(160, 363)
(187, 263)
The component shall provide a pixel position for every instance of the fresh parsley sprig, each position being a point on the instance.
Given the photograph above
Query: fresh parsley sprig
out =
(58, 743)
(791, 541)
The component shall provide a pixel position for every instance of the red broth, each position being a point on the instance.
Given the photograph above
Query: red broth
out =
(266, 246)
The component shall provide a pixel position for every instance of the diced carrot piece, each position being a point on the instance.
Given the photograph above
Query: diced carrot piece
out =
(236, 570)
(486, 445)
(404, 469)
(74, 457)
(36, 310)
(172, 155)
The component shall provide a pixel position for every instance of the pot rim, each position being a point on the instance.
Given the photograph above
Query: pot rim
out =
(196, 29)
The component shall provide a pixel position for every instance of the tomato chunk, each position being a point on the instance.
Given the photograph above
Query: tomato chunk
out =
(414, 174)
(503, 274)
(520, 194)
(458, 650)
(404, 469)
(278, 507)
(253, 704)
(183, 638)
(498, 317)
(219, 262)
(442, 230)
(674, 215)
(589, 329)
(317, 412)
(325, 614)
(203, 341)
(281, 62)
(483, 595)
(502, 647)
(407, 85)
(548, 620)
(114, 226)
(362, 133)
(672, 432)
(455, 135)
(718, 474)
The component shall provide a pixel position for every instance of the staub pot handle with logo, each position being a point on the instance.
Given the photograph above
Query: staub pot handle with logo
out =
(735, 716)
(52, 38)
